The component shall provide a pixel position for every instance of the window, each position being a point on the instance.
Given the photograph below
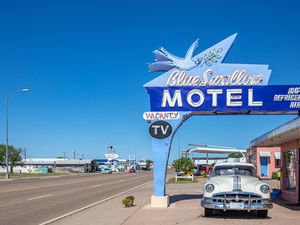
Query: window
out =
(277, 163)
(290, 169)
(224, 170)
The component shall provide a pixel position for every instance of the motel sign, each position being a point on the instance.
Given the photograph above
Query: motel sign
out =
(202, 84)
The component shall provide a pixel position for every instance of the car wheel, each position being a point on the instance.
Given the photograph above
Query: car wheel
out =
(208, 212)
(262, 213)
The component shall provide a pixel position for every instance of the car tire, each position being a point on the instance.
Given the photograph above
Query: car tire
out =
(208, 212)
(262, 213)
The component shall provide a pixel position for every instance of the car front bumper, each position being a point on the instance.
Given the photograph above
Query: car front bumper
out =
(213, 203)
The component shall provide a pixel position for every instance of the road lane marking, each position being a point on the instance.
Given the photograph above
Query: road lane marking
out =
(97, 185)
(38, 197)
(118, 181)
(93, 204)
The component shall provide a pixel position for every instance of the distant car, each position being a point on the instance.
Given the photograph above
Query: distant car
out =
(235, 186)
(204, 169)
(106, 171)
(132, 170)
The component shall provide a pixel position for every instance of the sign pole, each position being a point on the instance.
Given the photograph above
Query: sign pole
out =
(160, 152)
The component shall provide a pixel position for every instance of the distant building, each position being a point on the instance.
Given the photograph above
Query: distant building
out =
(266, 159)
(53, 165)
(287, 137)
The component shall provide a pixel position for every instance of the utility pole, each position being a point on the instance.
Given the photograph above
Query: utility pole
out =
(82, 156)
(74, 154)
(25, 154)
(6, 128)
(64, 155)
(179, 147)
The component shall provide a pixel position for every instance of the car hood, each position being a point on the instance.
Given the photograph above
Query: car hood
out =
(230, 183)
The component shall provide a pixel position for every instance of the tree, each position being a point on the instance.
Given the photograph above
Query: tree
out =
(149, 161)
(183, 164)
(14, 155)
(235, 155)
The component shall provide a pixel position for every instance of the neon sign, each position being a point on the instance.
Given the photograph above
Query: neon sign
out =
(204, 84)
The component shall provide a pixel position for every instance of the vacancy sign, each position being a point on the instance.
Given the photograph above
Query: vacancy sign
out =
(161, 116)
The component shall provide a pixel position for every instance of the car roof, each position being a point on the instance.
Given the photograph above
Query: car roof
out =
(234, 164)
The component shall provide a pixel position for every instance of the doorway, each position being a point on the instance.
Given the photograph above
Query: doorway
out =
(264, 166)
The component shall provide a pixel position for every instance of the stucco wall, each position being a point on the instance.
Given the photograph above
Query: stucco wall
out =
(288, 195)
(256, 161)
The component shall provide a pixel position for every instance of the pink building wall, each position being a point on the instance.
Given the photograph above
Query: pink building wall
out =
(290, 196)
(255, 159)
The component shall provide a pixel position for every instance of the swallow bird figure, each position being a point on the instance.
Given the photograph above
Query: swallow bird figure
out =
(165, 61)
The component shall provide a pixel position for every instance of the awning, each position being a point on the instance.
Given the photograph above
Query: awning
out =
(285, 133)
(277, 155)
(218, 150)
(265, 154)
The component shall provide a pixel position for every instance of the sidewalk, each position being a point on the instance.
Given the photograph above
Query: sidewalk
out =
(184, 209)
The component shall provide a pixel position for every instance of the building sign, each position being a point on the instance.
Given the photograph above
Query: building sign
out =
(206, 68)
(160, 129)
(204, 84)
(111, 156)
(161, 115)
(244, 99)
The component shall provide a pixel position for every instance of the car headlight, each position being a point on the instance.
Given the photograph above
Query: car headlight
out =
(209, 188)
(264, 188)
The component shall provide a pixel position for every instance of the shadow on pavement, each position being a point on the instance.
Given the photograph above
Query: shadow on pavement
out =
(182, 197)
(285, 204)
(237, 215)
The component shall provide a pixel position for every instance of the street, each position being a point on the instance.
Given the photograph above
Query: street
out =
(36, 200)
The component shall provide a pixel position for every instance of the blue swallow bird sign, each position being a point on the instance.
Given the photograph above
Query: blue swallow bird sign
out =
(203, 83)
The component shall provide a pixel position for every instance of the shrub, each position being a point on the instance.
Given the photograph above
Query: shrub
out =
(128, 201)
(276, 175)
(183, 164)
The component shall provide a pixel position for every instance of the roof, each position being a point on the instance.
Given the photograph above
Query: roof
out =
(234, 163)
(215, 150)
(56, 162)
(282, 134)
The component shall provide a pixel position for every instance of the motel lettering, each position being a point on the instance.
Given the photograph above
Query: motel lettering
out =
(196, 97)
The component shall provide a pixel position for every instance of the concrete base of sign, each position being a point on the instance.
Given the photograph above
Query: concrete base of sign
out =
(160, 201)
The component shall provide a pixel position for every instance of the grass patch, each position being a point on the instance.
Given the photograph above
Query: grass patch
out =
(181, 181)
(20, 175)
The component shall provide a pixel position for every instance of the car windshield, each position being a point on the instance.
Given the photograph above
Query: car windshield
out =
(234, 170)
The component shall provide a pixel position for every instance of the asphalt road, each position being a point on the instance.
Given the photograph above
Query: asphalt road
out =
(34, 201)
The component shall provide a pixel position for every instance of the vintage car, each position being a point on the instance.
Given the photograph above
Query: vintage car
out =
(235, 186)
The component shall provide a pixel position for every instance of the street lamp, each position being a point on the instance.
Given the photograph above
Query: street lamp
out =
(6, 110)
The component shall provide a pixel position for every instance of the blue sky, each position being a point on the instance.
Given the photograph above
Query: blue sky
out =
(85, 64)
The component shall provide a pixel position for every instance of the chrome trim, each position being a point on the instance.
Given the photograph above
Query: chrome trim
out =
(251, 201)
(237, 193)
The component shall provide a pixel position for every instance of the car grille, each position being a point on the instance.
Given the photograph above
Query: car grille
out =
(237, 197)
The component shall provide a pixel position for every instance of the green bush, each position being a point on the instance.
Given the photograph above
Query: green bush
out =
(183, 165)
(276, 175)
(128, 201)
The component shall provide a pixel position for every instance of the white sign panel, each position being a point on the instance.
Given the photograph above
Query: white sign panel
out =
(161, 115)
(111, 156)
